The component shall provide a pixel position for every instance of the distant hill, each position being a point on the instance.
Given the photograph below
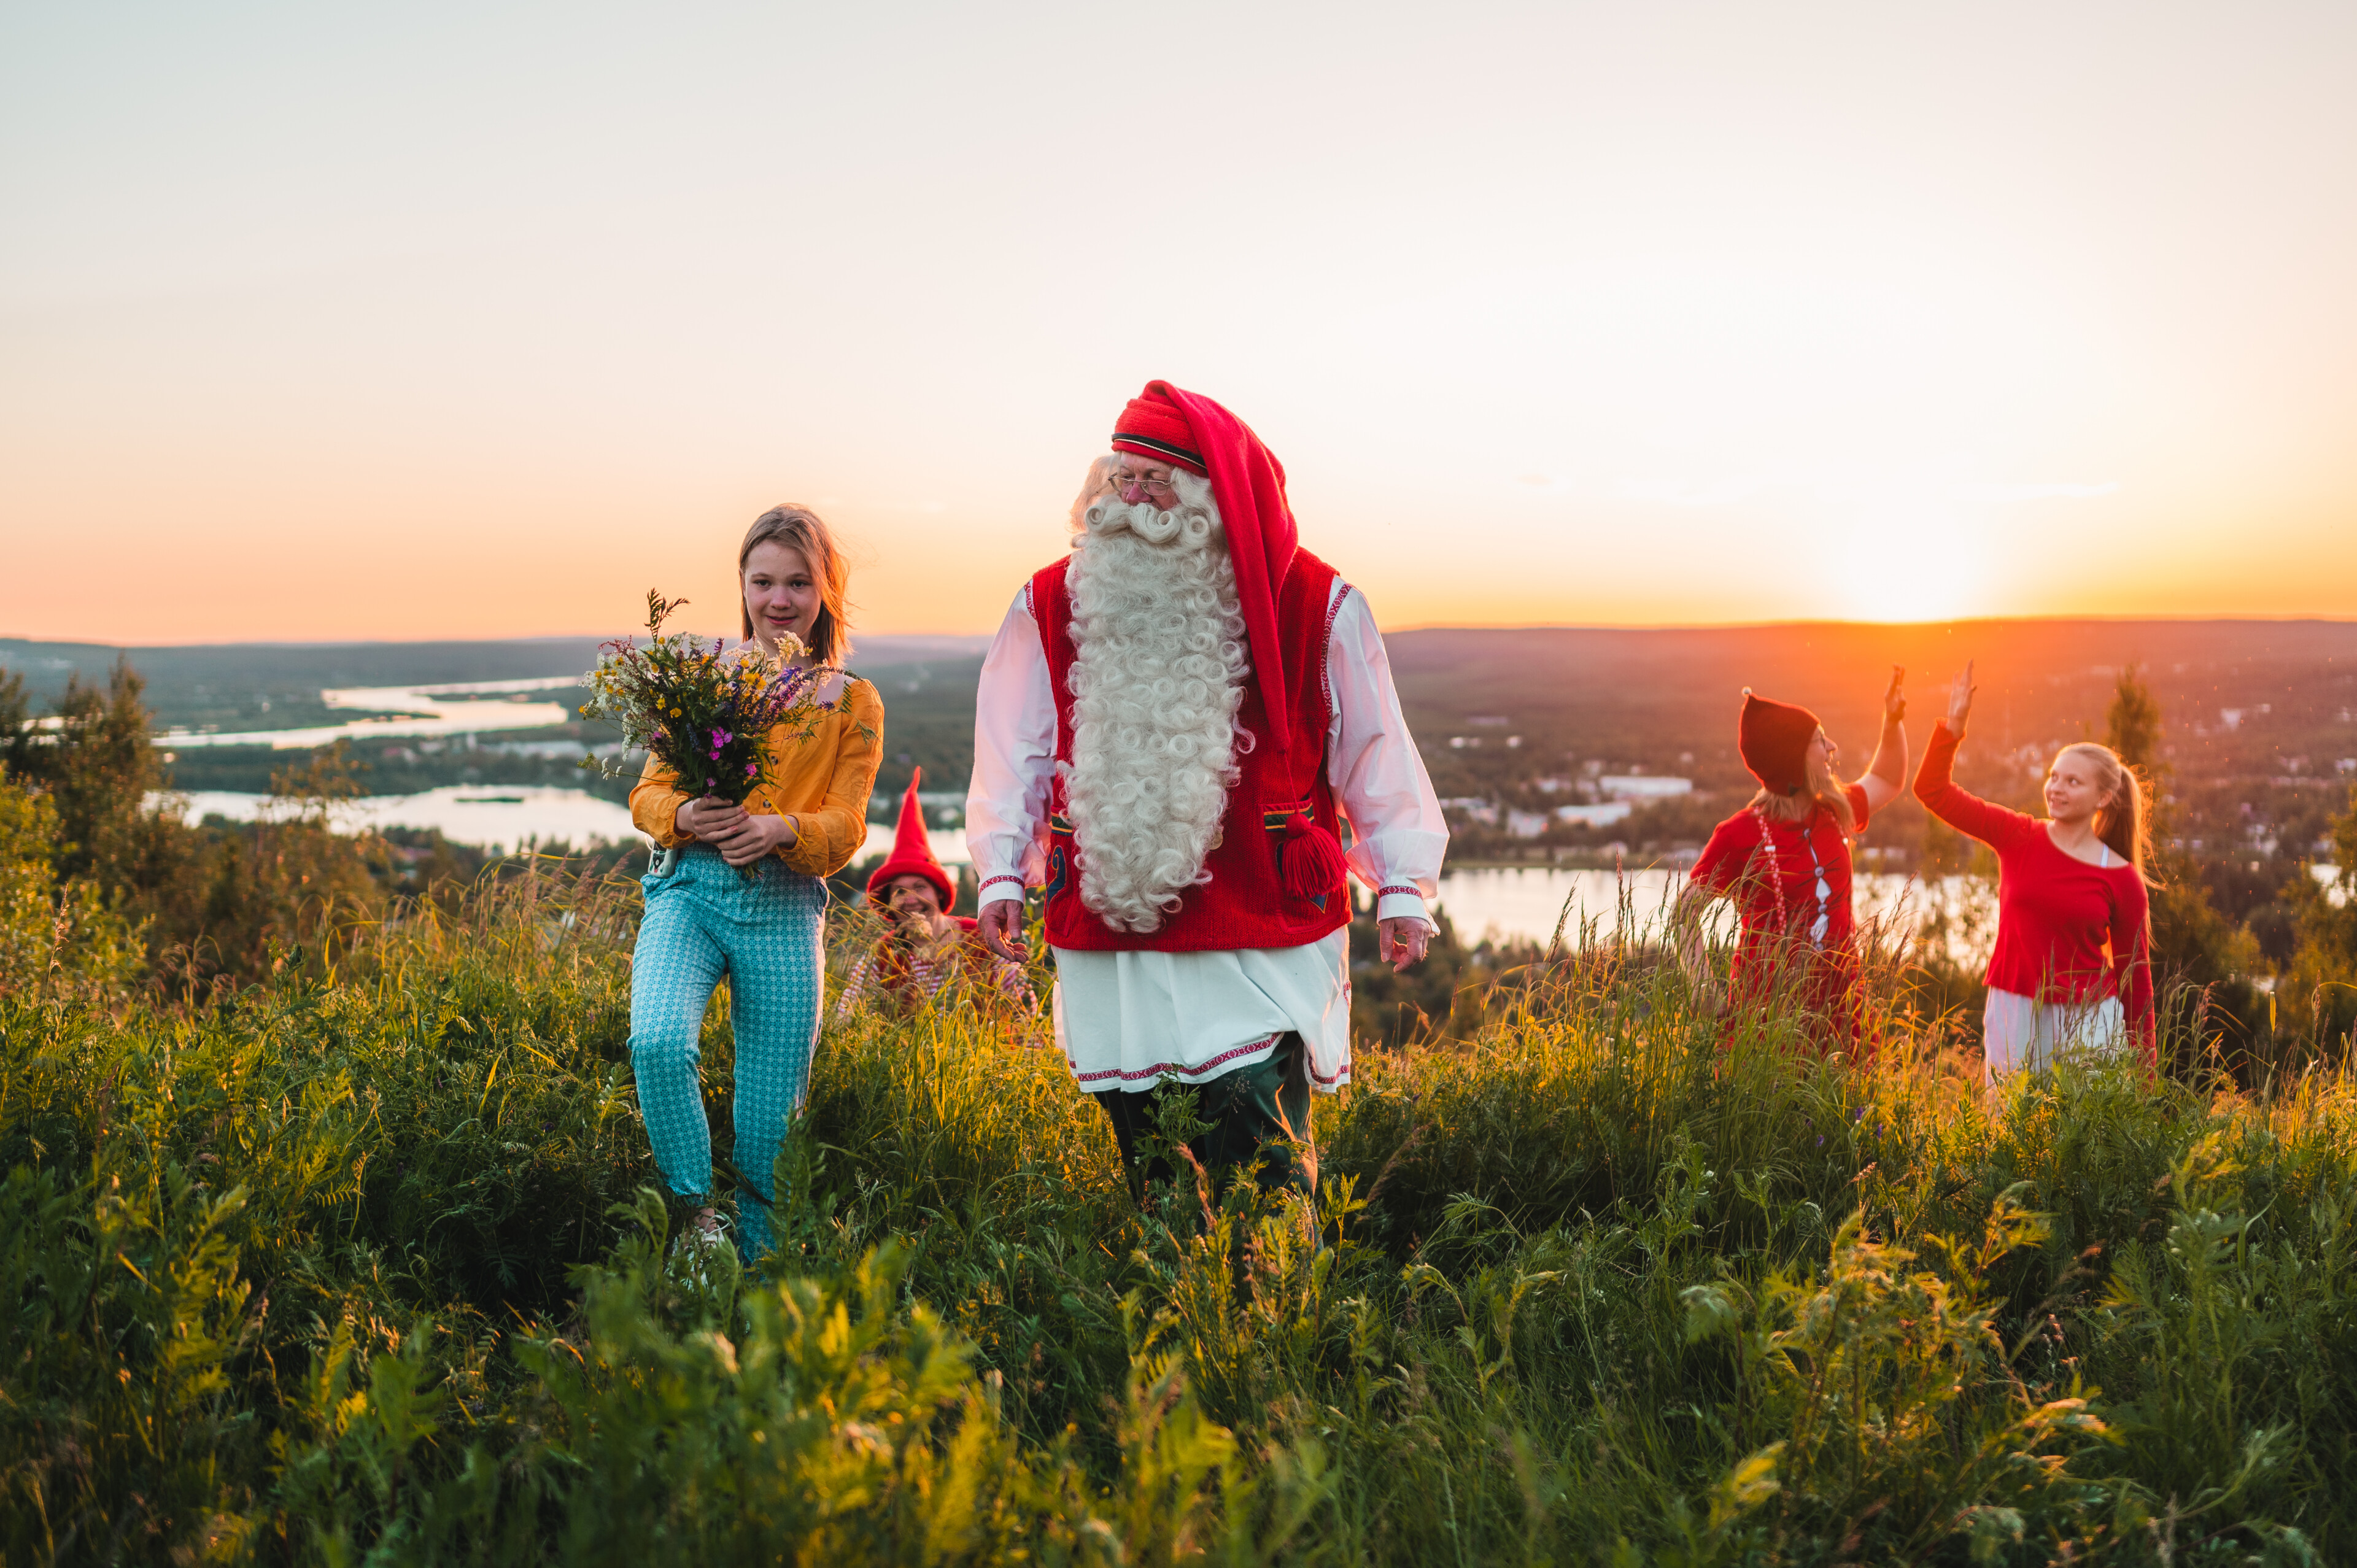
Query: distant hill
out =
(1648, 698)
(271, 685)
(2240, 697)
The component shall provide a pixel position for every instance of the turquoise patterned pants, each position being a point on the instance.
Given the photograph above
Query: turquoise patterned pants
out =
(703, 921)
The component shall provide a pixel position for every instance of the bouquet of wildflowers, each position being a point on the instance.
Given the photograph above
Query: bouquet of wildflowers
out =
(701, 712)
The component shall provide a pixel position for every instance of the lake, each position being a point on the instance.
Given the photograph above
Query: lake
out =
(503, 817)
(408, 711)
(1518, 904)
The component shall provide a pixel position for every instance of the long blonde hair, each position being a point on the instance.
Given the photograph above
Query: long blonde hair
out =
(2125, 824)
(799, 527)
(1822, 790)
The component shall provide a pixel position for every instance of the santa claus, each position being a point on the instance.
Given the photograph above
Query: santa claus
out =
(1176, 722)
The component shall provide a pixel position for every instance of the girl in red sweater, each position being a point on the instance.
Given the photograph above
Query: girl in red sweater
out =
(2073, 966)
(1784, 860)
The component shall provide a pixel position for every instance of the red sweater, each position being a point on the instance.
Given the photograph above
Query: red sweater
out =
(2066, 931)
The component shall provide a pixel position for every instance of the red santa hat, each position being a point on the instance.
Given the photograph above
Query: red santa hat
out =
(1774, 739)
(913, 854)
(1248, 483)
(1152, 426)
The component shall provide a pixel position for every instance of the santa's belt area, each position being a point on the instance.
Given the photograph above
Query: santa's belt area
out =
(1201, 1070)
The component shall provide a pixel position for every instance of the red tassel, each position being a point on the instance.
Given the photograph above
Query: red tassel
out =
(1313, 859)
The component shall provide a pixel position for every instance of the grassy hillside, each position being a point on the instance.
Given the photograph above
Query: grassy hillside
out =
(355, 1265)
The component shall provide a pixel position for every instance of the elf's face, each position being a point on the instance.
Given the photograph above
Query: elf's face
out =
(912, 897)
(1824, 753)
(2076, 791)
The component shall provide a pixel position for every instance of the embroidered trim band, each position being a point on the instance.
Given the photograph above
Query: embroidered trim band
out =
(1168, 449)
(1180, 1069)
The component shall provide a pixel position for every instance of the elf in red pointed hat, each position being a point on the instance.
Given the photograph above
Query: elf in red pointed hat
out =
(1175, 721)
(1784, 860)
(927, 950)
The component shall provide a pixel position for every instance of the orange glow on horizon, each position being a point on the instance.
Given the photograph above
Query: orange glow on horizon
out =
(1723, 317)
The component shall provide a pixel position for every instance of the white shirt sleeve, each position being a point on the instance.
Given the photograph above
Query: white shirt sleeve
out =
(1014, 760)
(1399, 836)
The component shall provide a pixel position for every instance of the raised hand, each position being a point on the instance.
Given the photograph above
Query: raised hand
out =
(1960, 699)
(1894, 701)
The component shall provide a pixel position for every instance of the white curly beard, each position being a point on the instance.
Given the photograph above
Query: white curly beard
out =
(1162, 661)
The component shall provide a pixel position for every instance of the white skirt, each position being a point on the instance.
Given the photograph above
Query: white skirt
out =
(2021, 1033)
(1128, 1020)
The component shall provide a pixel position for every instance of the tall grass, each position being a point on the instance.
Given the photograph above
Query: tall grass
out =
(360, 1265)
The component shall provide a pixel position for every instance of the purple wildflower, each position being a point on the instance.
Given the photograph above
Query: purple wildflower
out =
(751, 769)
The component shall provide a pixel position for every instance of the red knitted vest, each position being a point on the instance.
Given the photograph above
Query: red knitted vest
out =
(1244, 904)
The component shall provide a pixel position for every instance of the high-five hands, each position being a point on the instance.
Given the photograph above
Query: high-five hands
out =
(1960, 700)
(1894, 701)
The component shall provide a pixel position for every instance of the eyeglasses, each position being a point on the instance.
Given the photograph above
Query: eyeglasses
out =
(1124, 483)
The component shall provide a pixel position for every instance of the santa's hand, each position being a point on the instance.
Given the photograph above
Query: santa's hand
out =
(1401, 941)
(1002, 931)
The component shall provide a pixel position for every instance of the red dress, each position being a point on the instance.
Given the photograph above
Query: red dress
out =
(1791, 885)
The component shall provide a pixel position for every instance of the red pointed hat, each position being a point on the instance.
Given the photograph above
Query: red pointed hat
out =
(913, 854)
(1774, 739)
(1248, 483)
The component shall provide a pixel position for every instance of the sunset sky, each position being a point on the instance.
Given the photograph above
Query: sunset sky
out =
(421, 321)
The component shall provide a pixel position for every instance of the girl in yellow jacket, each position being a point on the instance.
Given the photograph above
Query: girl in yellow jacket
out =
(704, 918)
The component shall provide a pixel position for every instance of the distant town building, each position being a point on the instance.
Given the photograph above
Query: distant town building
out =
(1527, 824)
(1643, 786)
(1604, 815)
(1479, 809)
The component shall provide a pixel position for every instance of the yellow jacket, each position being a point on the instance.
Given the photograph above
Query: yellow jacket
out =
(821, 781)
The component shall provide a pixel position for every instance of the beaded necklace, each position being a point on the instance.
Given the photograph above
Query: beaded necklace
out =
(1823, 922)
